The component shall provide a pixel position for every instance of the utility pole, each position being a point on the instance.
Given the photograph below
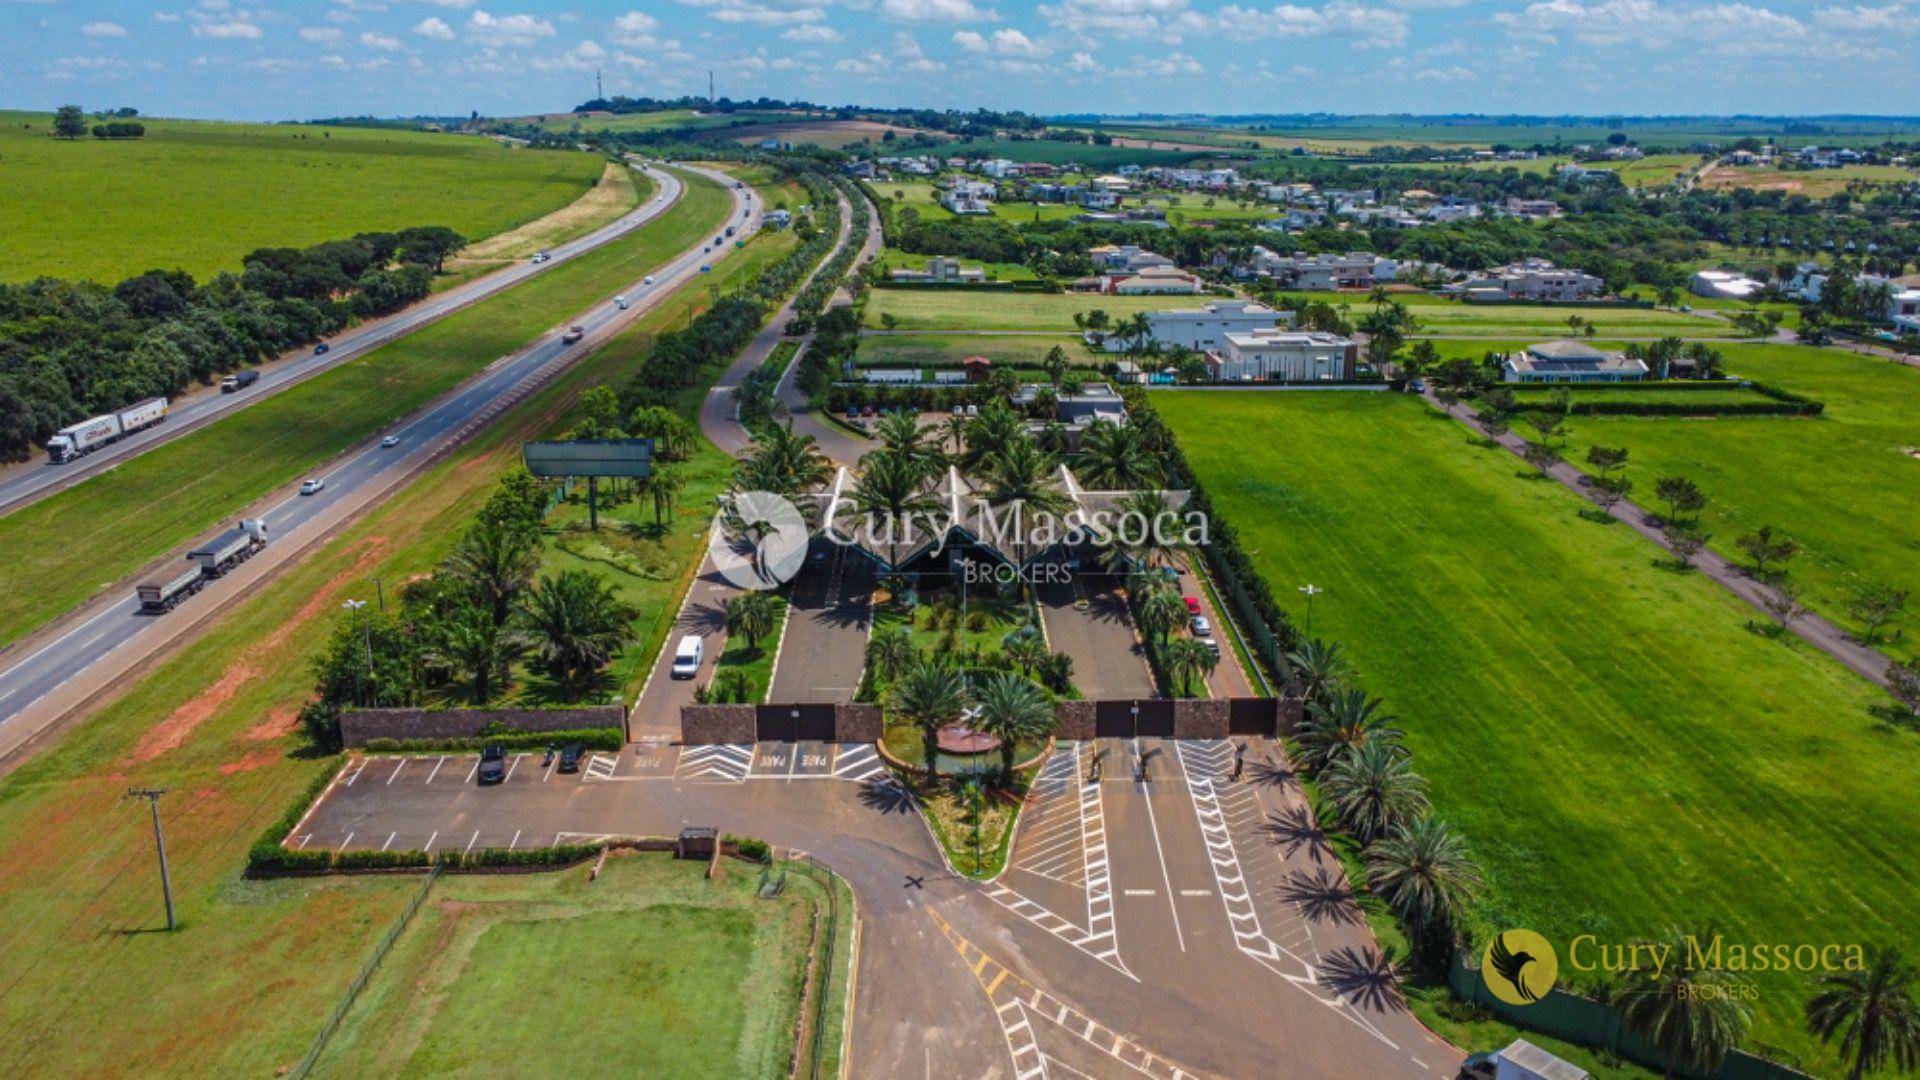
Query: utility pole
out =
(599, 88)
(366, 635)
(710, 98)
(152, 795)
(380, 589)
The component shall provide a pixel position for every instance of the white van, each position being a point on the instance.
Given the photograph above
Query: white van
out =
(687, 657)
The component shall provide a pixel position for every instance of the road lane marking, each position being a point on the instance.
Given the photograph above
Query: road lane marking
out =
(1146, 792)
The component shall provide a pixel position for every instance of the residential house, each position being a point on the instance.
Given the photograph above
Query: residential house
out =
(1283, 355)
(1203, 328)
(779, 219)
(1724, 285)
(1131, 257)
(1533, 279)
(941, 269)
(969, 197)
(1570, 361)
(1151, 281)
(1354, 270)
(1533, 208)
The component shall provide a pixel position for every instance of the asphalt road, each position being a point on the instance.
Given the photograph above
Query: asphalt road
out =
(26, 482)
(38, 690)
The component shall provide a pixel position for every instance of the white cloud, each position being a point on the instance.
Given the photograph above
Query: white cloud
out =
(761, 12)
(1014, 43)
(816, 33)
(451, 3)
(1368, 25)
(1731, 27)
(1116, 18)
(166, 16)
(507, 30)
(104, 29)
(935, 11)
(321, 35)
(1084, 63)
(970, 41)
(229, 29)
(1170, 64)
(434, 28)
(589, 50)
(383, 42)
(1892, 19)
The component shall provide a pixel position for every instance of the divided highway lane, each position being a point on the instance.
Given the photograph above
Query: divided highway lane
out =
(39, 690)
(24, 483)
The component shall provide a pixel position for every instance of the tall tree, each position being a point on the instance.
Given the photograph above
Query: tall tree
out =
(1874, 1013)
(575, 623)
(1374, 789)
(1012, 709)
(1339, 722)
(1114, 457)
(1687, 1014)
(1189, 661)
(929, 696)
(891, 494)
(69, 122)
(1424, 873)
(751, 615)
(495, 560)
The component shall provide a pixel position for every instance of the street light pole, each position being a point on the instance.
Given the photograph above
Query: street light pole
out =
(366, 637)
(380, 589)
(152, 795)
(1312, 591)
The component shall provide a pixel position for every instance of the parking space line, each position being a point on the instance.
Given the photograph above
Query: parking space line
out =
(475, 769)
(389, 842)
(396, 771)
(551, 765)
(515, 842)
(431, 839)
(344, 843)
(470, 843)
(356, 773)
(436, 768)
(510, 768)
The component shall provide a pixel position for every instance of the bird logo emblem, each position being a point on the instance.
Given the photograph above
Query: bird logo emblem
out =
(1519, 966)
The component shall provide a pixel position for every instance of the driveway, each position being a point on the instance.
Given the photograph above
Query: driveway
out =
(1108, 660)
(824, 649)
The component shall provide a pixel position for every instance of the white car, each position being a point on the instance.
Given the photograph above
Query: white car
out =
(312, 486)
(1202, 627)
(648, 280)
(541, 256)
(391, 440)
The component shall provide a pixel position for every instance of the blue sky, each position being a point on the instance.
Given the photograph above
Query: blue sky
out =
(280, 59)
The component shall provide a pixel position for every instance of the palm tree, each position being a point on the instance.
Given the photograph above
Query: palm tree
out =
(890, 650)
(1318, 667)
(1025, 647)
(1423, 871)
(1188, 659)
(1012, 710)
(900, 434)
(664, 485)
(781, 462)
(1019, 476)
(1341, 721)
(1688, 1015)
(750, 615)
(1374, 789)
(1056, 364)
(1114, 457)
(495, 560)
(576, 624)
(1141, 548)
(469, 641)
(996, 426)
(1161, 612)
(956, 432)
(929, 695)
(1873, 1011)
(891, 494)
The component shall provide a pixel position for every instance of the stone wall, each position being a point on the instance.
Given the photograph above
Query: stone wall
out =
(1200, 718)
(359, 726)
(703, 724)
(1075, 719)
(858, 722)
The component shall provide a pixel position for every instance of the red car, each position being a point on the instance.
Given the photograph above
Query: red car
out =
(1193, 604)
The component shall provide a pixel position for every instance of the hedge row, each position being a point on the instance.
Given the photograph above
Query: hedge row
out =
(1783, 402)
(596, 738)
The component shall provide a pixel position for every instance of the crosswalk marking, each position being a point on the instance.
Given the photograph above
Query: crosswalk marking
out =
(859, 763)
(601, 767)
(717, 763)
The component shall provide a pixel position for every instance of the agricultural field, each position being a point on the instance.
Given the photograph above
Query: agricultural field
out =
(832, 134)
(1654, 170)
(666, 119)
(1587, 716)
(1083, 154)
(1813, 183)
(1845, 484)
(185, 487)
(651, 970)
(620, 189)
(938, 310)
(198, 195)
(217, 724)
(1539, 166)
(1454, 318)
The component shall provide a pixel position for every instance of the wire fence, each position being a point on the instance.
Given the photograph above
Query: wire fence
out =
(380, 951)
(830, 882)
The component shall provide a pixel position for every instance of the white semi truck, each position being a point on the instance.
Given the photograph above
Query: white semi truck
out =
(89, 435)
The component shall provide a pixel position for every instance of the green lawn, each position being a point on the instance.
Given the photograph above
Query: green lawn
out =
(952, 309)
(1844, 484)
(755, 662)
(948, 350)
(1439, 315)
(1621, 752)
(1539, 396)
(650, 971)
(198, 195)
(69, 546)
(243, 987)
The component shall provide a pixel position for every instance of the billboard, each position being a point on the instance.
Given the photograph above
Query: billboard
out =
(589, 457)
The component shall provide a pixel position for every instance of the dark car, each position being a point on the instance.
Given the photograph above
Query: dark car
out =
(1480, 1066)
(570, 757)
(322, 349)
(493, 764)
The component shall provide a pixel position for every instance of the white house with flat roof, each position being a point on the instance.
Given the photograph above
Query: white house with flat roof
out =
(1203, 328)
(1277, 355)
(1570, 361)
(1724, 284)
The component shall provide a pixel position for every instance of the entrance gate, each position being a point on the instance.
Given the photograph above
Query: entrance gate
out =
(793, 723)
(1126, 719)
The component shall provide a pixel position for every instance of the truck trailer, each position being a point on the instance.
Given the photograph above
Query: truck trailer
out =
(230, 548)
(162, 594)
(89, 435)
(239, 380)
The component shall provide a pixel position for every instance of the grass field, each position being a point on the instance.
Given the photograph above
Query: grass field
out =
(1813, 183)
(242, 988)
(952, 309)
(895, 259)
(73, 544)
(621, 188)
(1654, 170)
(1439, 315)
(199, 195)
(938, 350)
(1621, 752)
(650, 970)
(1844, 484)
(1542, 396)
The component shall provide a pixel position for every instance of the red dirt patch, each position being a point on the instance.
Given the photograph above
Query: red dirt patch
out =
(173, 732)
(250, 762)
(279, 721)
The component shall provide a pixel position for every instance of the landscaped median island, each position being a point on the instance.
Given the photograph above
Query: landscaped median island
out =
(1584, 715)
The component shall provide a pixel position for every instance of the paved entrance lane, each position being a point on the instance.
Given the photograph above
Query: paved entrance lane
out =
(824, 649)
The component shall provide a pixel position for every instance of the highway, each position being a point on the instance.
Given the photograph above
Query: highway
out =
(23, 483)
(43, 687)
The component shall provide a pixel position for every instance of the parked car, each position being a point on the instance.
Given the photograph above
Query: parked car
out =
(1202, 626)
(493, 764)
(322, 349)
(1193, 604)
(390, 441)
(312, 486)
(1481, 1066)
(570, 757)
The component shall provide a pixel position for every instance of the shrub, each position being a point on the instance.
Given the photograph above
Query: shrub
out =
(599, 738)
(751, 849)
